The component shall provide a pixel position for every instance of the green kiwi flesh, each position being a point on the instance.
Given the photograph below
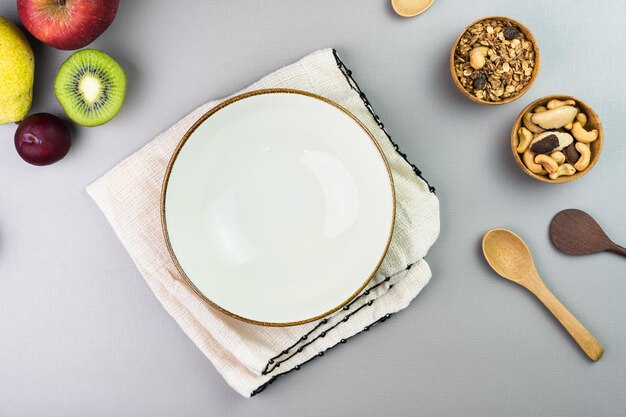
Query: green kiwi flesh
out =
(91, 87)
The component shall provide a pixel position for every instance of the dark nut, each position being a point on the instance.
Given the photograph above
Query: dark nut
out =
(548, 142)
(480, 81)
(511, 32)
(571, 154)
(546, 145)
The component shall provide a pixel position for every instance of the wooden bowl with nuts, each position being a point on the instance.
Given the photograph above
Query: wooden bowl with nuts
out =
(495, 60)
(557, 139)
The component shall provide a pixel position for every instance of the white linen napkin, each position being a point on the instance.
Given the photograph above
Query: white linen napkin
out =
(251, 357)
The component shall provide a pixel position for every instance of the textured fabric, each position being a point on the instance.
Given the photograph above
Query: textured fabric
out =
(247, 355)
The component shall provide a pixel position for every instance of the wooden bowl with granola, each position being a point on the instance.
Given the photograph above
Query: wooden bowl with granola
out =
(495, 60)
(557, 139)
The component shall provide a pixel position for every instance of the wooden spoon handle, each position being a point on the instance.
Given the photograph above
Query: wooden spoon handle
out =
(587, 342)
(618, 249)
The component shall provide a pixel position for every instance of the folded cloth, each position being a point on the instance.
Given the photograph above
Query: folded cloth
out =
(248, 356)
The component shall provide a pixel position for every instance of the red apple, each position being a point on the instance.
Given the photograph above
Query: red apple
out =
(67, 24)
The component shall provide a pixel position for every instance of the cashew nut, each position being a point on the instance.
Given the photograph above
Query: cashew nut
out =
(527, 120)
(558, 156)
(540, 109)
(585, 156)
(569, 126)
(582, 118)
(477, 57)
(554, 103)
(548, 163)
(555, 118)
(529, 161)
(524, 136)
(564, 170)
(583, 135)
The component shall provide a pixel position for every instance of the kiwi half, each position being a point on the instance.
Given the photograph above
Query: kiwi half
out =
(91, 87)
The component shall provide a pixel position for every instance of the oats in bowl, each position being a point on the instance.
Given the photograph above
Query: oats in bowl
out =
(495, 60)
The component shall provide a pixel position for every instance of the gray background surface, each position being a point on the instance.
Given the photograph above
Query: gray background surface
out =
(82, 335)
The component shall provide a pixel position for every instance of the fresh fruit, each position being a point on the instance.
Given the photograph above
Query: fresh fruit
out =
(67, 24)
(17, 71)
(42, 139)
(91, 87)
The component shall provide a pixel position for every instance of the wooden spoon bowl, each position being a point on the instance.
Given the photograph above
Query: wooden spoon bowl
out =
(593, 122)
(577, 233)
(410, 8)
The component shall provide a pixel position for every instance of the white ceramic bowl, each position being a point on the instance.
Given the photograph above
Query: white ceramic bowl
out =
(278, 207)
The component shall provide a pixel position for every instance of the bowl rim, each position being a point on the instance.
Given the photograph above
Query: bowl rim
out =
(589, 112)
(180, 145)
(529, 36)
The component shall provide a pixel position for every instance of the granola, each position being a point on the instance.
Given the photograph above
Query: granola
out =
(494, 60)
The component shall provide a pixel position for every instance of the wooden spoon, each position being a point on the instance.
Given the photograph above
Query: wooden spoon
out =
(509, 256)
(576, 233)
(410, 8)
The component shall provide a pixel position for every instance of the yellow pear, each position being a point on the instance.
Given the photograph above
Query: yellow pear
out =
(17, 72)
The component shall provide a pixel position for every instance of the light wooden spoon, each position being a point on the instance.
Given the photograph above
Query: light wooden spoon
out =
(509, 256)
(410, 8)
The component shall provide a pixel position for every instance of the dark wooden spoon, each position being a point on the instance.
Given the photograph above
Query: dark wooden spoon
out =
(576, 233)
